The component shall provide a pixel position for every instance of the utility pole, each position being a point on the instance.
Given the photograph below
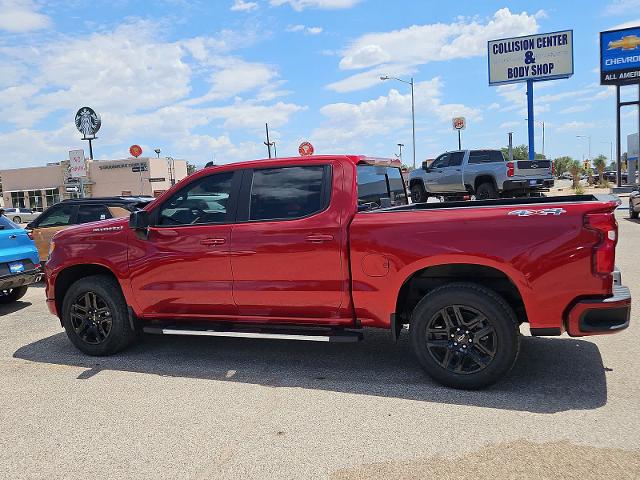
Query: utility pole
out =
(511, 146)
(268, 143)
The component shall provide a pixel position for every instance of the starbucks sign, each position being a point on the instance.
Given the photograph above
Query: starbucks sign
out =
(88, 122)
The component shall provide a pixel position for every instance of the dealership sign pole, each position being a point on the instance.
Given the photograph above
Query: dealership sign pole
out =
(547, 56)
(620, 65)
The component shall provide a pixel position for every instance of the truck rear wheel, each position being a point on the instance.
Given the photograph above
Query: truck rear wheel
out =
(12, 295)
(418, 193)
(464, 335)
(486, 191)
(95, 316)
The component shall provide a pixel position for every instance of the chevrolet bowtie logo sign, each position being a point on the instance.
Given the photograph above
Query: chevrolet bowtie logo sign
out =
(630, 42)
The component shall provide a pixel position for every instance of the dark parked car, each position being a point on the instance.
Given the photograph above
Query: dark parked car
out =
(634, 204)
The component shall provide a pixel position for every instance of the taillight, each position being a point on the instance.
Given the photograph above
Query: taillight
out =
(604, 253)
(510, 169)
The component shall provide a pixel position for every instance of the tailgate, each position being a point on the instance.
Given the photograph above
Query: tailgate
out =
(533, 168)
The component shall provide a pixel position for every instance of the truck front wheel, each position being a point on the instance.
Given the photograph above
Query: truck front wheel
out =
(464, 335)
(95, 316)
(418, 193)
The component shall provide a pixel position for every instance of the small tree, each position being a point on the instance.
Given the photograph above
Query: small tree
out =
(190, 168)
(562, 164)
(521, 152)
(600, 163)
(576, 169)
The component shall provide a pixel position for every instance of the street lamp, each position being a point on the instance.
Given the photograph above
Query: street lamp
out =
(542, 123)
(399, 155)
(589, 137)
(157, 150)
(610, 150)
(413, 111)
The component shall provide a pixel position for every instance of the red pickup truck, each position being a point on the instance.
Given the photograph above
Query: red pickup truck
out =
(318, 248)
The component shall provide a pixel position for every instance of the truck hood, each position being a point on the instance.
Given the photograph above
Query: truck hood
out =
(112, 226)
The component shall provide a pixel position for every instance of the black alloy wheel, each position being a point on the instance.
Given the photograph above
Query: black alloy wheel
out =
(461, 340)
(91, 318)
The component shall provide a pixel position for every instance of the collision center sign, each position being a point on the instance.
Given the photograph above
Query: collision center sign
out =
(620, 56)
(545, 56)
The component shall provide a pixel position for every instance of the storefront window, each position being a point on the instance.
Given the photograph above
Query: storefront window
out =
(35, 200)
(17, 200)
(52, 196)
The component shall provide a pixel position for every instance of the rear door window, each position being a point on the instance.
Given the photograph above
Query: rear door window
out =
(58, 216)
(92, 213)
(288, 193)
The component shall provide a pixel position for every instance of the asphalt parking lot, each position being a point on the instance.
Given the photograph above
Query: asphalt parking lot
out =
(231, 408)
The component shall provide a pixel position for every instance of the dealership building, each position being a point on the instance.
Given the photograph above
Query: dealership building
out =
(40, 187)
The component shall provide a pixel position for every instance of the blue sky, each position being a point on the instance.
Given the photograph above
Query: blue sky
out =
(199, 79)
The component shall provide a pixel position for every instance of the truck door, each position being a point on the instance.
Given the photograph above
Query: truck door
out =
(182, 267)
(451, 179)
(433, 176)
(288, 248)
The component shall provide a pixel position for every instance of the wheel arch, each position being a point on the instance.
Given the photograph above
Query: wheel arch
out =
(68, 276)
(484, 178)
(423, 279)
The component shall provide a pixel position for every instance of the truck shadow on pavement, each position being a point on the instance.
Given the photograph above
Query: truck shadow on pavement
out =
(551, 375)
(13, 307)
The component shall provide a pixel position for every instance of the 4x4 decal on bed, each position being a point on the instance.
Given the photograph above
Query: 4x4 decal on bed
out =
(543, 211)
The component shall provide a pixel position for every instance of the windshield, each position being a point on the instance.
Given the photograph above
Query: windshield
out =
(6, 224)
(380, 187)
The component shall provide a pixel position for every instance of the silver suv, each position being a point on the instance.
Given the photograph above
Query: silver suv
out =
(483, 173)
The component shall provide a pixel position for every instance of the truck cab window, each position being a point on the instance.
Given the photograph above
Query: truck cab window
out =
(287, 193)
(441, 162)
(201, 202)
(455, 159)
(376, 183)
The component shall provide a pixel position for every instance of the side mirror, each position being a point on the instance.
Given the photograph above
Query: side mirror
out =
(425, 166)
(139, 220)
(29, 226)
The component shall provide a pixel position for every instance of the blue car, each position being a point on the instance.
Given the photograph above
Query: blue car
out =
(19, 263)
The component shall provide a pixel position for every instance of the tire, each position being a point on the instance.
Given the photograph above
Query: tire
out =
(454, 357)
(12, 295)
(486, 191)
(17, 220)
(632, 213)
(418, 193)
(100, 321)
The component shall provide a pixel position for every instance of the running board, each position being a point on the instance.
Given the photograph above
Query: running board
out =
(308, 335)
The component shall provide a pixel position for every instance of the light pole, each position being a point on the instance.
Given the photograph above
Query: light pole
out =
(399, 155)
(413, 112)
(541, 123)
(610, 150)
(157, 150)
(588, 137)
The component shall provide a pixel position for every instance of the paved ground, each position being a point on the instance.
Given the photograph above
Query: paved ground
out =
(230, 408)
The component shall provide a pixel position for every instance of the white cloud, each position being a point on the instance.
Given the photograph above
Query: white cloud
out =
(143, 87)
(299, 5)
(621, 7)
(242, 6)
(576, 108)
(420, 44)
(575, 125)
(305, 29)
(506, 125)
(350, 126)
(21, 16)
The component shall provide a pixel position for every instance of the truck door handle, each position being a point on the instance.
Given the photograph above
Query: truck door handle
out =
(210, 242)
(458, 170)
(319, 238)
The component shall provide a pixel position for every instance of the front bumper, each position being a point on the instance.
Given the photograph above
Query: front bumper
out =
(21, 279)
(600, 316)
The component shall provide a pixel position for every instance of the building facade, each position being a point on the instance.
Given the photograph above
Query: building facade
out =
(40, 187)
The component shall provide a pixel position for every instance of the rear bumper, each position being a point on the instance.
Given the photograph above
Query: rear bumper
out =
(600, 316)
(20, 279)
(525, 184)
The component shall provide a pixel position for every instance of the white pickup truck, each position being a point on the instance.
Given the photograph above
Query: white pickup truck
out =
(483, 173)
